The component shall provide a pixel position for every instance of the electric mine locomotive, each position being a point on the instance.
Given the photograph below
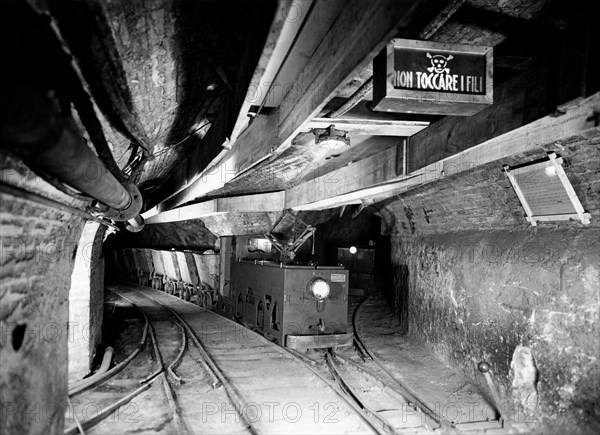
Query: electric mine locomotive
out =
(294, 305)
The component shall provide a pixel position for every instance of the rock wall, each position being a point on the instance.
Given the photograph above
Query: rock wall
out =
(473, 278)
(38, 246)
(86, 301)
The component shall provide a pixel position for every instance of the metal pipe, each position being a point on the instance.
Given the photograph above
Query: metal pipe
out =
(135, 224)
(32, 126)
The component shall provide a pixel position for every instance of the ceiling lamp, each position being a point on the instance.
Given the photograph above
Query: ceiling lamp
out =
(330, 138)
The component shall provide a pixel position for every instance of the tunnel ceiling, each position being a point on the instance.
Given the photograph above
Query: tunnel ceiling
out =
(169, 80)
(161, 71)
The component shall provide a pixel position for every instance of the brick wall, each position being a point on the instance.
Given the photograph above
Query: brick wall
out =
(37, 250)
(473, 278)
(86, 301)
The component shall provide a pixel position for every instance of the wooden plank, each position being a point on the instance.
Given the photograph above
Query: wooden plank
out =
(262, 202)
(273, 201)
(365, 173)
(526, 138)
(366, 195)
(226, 166)
(512, 101)
(569, 189)
(284, 29)
(370, 127)
(520, 195)
(375, 176)
(361, 30)
(189, 212)
(520, 100)
(314, 29)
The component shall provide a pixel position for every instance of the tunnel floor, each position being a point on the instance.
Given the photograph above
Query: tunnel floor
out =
(265, 390)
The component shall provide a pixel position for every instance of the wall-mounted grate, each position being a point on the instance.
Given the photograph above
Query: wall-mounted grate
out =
(545, 191)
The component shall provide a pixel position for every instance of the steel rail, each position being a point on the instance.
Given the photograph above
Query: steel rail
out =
(160, 372)
(219, 378)
(166, 385)
(386, 426)
(81, 427)
(79, 388)
(339, 392)
(386, 385)
(171, 369)
(405, 391)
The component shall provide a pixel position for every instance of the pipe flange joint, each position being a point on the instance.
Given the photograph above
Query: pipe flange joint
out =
(132, 210)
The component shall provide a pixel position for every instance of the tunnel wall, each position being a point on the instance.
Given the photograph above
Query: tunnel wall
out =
(474, 279)
(86, 301)
(38, 248)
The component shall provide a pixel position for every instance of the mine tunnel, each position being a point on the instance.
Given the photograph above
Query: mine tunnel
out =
(299, 216)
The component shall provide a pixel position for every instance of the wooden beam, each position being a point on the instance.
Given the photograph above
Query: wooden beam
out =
(525, 97)
(284, 29)
(359, 33)
(372, 171)
(194, 211)
(262, 202)
(370, 127)
(273, 201)
(374, 178)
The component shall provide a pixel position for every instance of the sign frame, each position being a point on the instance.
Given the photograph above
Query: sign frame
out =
(554, 164)
(387, 98)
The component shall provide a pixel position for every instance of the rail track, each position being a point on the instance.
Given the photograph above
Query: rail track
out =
(268, 386)
(112, 392)
(218, 376)
(190, 372)
(396, 406)
(384, 403)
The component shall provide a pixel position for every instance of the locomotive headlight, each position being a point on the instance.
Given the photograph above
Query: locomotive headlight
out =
(319, 288)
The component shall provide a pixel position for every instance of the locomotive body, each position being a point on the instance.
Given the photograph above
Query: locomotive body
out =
(281, 302)
(296, 306)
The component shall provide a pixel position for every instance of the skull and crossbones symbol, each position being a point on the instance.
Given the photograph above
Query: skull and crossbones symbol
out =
(439, 63)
